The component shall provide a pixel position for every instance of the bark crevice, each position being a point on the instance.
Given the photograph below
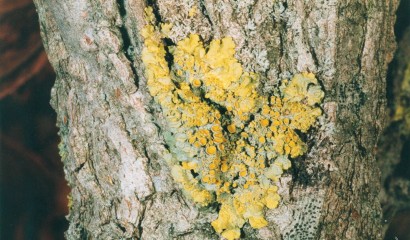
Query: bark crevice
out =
(127, 46)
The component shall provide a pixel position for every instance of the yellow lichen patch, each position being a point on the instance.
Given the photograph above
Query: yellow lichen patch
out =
(258, 222)
(231, 128)
(229, 143)
(196, 83)
(229, 221)
(298, 89)
(191, 186)
(211, 150)
(193, 11)
(166, 29)
(265, 122)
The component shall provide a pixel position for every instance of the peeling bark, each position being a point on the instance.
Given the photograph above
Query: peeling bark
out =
(112, 147)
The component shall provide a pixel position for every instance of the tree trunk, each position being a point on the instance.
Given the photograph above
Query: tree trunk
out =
(113, 146)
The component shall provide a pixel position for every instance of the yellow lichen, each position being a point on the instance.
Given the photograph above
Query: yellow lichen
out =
(166, 29)
(193, 11)
(229, 143)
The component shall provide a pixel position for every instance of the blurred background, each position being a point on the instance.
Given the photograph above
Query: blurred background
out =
(33, 192)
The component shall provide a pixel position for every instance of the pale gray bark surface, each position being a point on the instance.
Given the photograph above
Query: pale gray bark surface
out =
(112, 147)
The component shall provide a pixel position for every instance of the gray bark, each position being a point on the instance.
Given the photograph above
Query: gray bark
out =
(113, 149)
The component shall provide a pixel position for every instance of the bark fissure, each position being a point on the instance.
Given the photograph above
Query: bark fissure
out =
(205, 13)
(154, 5)
(126, 39)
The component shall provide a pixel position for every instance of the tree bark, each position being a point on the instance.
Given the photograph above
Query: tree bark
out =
(113, 149)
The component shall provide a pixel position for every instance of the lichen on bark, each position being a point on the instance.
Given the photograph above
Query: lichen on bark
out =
(114, 160)
(228, 144)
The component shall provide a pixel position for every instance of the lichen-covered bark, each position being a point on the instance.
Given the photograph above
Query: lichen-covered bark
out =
(112, 146)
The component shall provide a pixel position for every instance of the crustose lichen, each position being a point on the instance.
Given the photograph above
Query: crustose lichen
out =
(228, 143)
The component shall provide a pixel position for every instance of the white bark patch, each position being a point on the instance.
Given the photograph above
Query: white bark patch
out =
(304, 58)
(136, 100)
(124, 72)
(88, 179)
(186, 17)
(328, 35)
(132, 174)
(77, 9)
(301, 218)
(371, 40)
(129, 211)
(108, 39)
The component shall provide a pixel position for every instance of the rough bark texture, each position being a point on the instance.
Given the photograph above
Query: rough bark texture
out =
(112, 146)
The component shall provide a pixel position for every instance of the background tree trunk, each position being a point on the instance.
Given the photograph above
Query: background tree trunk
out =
(393, 153)
(113, 149)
